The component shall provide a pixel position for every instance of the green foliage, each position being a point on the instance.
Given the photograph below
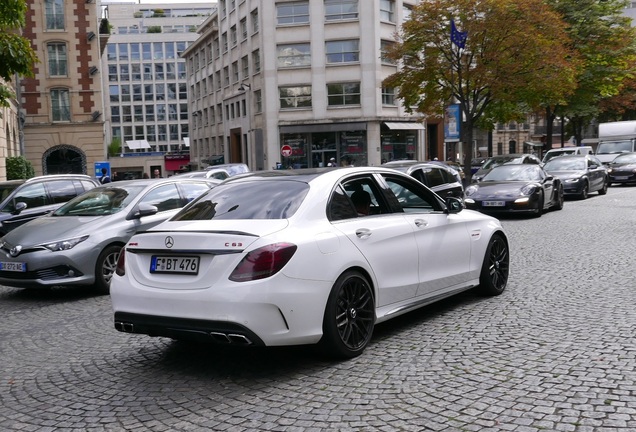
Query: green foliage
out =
(154, 29)
(114, 148)
(19, 168)
(16, 54)
(158, 13)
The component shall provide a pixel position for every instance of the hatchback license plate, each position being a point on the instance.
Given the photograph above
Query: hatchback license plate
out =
(13, 266)
(621, 177)
(171, 264)
(494, 203)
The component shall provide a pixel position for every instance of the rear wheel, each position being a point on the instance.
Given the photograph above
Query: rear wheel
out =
(105, 267)
(603, 190)
(494, 270)
(349, 316)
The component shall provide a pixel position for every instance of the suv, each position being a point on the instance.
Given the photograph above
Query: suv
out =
(567, 151)
(24, 200)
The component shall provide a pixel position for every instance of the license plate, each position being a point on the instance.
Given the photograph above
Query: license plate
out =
(621, 177)
(493, 203)
(172, 264)
(13, 266)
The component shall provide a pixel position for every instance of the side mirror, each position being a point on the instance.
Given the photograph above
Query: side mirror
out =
(145, 209)
(453, 205)
(19, 207)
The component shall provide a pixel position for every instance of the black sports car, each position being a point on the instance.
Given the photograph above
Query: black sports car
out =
(623, 169)
(515, 189)
(579, 174)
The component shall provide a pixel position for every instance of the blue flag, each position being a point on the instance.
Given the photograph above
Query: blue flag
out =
(458, 37)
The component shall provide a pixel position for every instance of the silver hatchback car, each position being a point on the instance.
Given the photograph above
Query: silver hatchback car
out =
(79, 243)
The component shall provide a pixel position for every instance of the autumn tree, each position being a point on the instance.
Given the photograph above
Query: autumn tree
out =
(605, 42)
(515, 57)
(16, 54)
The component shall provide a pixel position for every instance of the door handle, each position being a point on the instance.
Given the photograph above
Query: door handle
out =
(363, 232)
(421, 223)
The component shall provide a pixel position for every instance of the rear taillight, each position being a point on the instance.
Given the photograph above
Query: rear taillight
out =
(263, 262)
(120, 271)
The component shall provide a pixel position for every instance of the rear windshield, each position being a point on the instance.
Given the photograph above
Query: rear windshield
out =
(250, 200)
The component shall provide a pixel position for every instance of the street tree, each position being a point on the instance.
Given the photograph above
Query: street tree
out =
(16, 54)
(508, 56)
(605, 42)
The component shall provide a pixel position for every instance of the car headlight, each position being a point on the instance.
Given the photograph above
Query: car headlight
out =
(471, 190)
(63, 245)
(572, 180)
(528, 190)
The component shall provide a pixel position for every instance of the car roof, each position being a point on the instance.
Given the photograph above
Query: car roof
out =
(307, 175)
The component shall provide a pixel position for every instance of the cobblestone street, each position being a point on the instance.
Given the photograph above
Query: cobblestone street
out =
(555, 352)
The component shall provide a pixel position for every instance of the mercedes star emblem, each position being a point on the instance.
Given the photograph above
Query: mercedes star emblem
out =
(169, 242)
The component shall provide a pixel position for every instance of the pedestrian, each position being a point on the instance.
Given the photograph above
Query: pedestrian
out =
(156, 174)
(105, 177)
(332, 163)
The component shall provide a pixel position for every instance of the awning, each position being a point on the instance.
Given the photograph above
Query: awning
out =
(186, 141)
(137, 144)
(404, 126)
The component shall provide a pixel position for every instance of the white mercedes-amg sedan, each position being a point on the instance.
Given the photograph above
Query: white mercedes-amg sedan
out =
(307, 256)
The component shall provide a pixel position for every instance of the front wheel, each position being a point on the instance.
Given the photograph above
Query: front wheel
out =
(349, 316)
(584, 191)
(105, 267)
(495, 268)
(559, 199)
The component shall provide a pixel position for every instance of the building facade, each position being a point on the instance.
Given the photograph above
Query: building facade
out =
(10, 133)
(62, 104)
(148, 115)
(292, 84)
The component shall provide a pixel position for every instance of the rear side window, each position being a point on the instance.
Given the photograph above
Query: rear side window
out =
(249, 200)
(33, 195)
(193, 190)
(61, 191)
(164, 197)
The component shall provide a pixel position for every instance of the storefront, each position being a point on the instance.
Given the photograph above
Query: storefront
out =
(314, 146)
(400, 140)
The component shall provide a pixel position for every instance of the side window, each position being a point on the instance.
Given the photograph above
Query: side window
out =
(86, 185)
(434, 177)
(61, 191)
(193, 190)
(357, 197)
(340, 206)
(164, 197)
(411, 198)
(418, 175)
(33, 195)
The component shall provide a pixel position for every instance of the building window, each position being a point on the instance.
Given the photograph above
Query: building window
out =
(54, 11)
(224, 41)
(344, 51)
(295, 97)
(57, 59)
(245, 65)
(387, 10)
(336, 10)
(388, 96)
(226, 76)
(385, 47)
(243, 25)
(406, 13)
(254, 18)
(343, 94)
(60, 105)
(293, 55)
(235, 72)
(258, 102)
(256, 61)
(233, 35)
(292, 13)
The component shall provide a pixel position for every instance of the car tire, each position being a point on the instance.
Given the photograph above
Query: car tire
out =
(105, 267)
(539, 210)
(495, 268)
(603, 190)
(584, 191)
(560, 199)
(349, 316)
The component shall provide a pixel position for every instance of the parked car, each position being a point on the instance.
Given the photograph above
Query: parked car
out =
(567, 151)
(215, 173)
(476, 163)
(283, 258)
(512, 158)
(442, 179)
(579, 175)
(25, 200)
(79, 243)
(622, 169)
(232, 168)
(516, 188)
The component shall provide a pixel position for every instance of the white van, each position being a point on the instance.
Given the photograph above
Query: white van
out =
(567, 151)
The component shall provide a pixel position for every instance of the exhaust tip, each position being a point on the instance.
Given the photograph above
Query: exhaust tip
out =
(124, 327)
(239, 339)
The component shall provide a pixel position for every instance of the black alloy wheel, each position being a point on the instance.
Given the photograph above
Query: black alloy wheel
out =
(603, 190)
(560, 198)
(584, 191)
(349, 316)
(105, 268)
(540, 203)
(496, 266)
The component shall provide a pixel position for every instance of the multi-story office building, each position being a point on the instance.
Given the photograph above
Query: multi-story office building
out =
(10, 132)
(145, 77)
(62, 104)
(296, 83)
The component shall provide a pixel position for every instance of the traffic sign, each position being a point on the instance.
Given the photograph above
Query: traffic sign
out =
(286, 150)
